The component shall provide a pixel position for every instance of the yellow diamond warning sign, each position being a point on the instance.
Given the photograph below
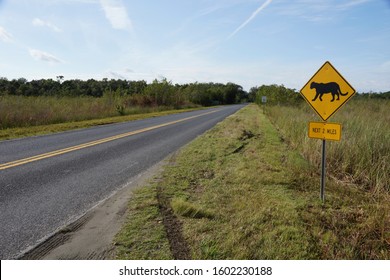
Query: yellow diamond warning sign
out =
(327, 91)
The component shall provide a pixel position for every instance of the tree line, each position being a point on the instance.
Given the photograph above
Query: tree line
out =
(158, 93)
(276, 95)
(280, 95)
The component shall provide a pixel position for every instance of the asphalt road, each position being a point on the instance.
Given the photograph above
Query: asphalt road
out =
(46, 182)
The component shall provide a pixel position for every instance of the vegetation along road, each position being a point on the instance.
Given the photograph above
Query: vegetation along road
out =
(249, 189)
(49, 181)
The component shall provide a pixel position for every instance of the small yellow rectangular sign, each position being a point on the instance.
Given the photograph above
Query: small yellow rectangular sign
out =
(326, 131)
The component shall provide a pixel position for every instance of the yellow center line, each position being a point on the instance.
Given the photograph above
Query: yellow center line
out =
(93, 143)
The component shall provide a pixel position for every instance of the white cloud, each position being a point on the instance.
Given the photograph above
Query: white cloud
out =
(5, 36)
(40, 22)
(44, 56)
(116, 14)
(254, 14)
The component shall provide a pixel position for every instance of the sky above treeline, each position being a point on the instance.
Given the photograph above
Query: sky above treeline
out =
(247, 42)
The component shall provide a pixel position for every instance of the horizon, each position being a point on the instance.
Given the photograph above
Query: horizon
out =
(179, 84)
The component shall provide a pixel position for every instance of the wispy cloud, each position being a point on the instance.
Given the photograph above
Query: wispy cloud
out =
(385, 66)
(116, 75)
(5, 36)
(208, 11)
(349, 4)
(116, 14)
(254, 14)
(315, 11)
(44, 56)
(40, 22)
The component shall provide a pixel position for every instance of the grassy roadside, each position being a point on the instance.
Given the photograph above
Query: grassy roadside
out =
(18, 132)
(240, 192)
(363, 154)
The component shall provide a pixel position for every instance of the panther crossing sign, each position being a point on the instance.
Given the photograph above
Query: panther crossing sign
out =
(327, 91)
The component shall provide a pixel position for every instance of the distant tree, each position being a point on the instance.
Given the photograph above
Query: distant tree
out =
(252, 94)
(160, 91)
(278, 94)
(4, 83)
(136, 87)
(60, 79)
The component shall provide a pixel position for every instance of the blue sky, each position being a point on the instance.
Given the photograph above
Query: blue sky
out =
(248, 42)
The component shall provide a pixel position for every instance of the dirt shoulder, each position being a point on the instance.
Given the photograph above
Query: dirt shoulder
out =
(91, 236)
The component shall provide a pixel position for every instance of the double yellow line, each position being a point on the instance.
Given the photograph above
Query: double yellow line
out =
(93, 143)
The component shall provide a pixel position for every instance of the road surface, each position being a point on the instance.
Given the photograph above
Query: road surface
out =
(47, 182)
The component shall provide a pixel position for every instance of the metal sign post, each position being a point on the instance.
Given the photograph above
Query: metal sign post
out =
(323, 163)
(264, 101)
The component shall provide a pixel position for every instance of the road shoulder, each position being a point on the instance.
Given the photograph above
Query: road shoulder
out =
(90, 237)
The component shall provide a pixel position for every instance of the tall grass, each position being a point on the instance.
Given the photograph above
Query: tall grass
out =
(25, 111)
(21, 111)
(363, 154)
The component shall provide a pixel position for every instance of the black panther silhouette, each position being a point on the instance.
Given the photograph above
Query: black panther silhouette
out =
(331, 87)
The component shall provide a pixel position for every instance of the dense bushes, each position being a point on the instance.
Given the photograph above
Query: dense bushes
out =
(276, 95)
(140, 93)
(280, 95)
(29, 103)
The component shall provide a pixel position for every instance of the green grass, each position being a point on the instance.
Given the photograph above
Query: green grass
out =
(183, 208)
(145, 235)
(258, 199)
(22, 116)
